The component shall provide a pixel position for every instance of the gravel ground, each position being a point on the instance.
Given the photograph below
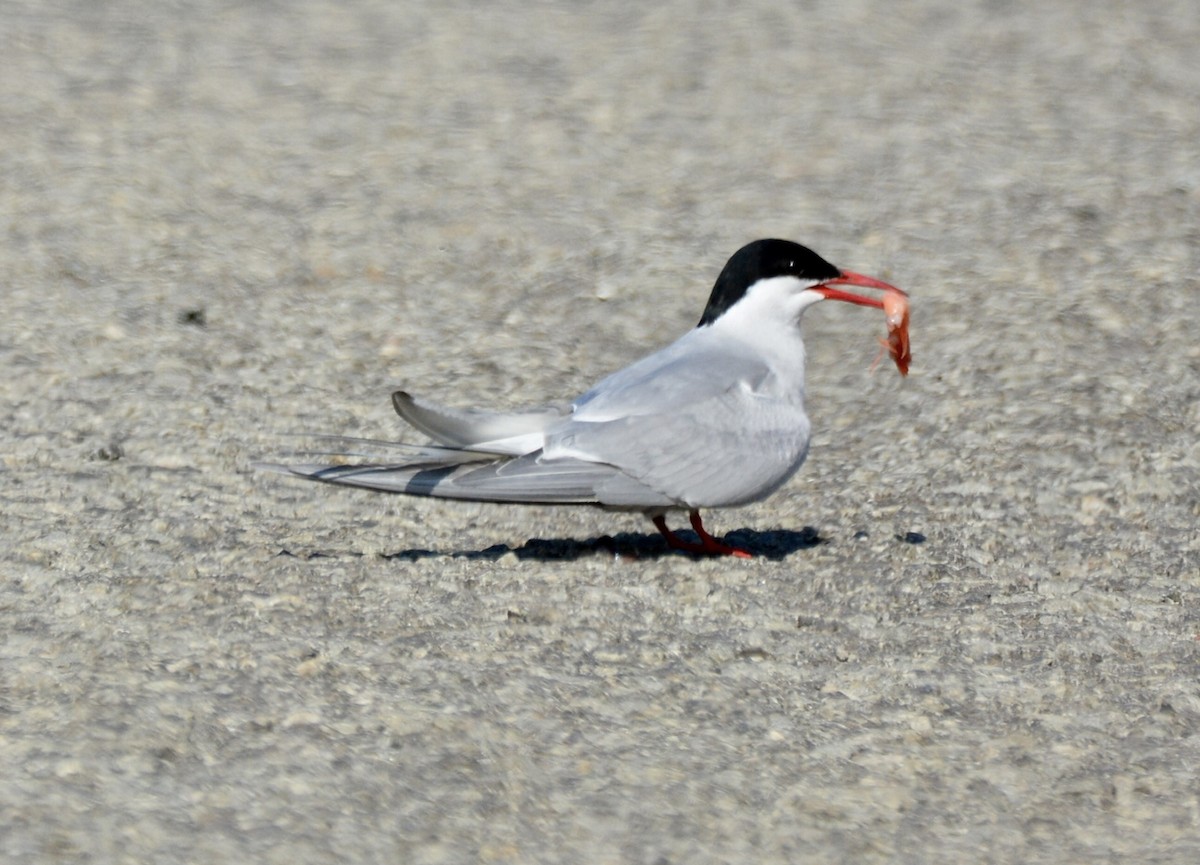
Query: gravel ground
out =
(973, 634)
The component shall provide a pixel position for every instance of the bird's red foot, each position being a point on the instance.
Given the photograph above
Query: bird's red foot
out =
(708, 546)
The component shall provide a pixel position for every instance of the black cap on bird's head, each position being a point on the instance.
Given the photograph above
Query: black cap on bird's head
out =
(763, 259)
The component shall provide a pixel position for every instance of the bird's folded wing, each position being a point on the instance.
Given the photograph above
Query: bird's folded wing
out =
(529, 479)
(728, 449)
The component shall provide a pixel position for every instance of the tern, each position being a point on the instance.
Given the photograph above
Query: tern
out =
(715, 419)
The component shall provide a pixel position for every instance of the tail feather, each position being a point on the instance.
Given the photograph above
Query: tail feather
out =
(509, 433)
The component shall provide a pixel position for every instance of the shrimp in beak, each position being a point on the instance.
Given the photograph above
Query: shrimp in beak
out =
(894, 304)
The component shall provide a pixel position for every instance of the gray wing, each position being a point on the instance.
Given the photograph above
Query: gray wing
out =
(705, 427)
(727, 450)
(477, 456)
(473, 476)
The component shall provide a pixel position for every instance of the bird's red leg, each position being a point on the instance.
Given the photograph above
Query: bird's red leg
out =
(708, 546)
(673, 540)
(712, 545)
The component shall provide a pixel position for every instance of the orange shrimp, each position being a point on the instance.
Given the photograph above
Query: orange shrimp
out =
(895, 310)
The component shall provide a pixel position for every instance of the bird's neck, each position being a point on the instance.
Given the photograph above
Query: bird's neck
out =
(777, 343)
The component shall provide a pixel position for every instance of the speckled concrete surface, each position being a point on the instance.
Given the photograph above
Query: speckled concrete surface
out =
(224, 224)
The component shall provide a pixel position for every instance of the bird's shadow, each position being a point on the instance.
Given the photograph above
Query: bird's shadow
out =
(772, 545)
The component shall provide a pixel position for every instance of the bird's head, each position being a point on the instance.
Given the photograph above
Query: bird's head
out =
(779, 279)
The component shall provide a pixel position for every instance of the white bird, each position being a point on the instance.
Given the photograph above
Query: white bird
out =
(716, 419)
